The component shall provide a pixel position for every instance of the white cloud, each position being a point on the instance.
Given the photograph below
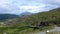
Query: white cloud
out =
(19, 6)
(33, 9)
(56, 2)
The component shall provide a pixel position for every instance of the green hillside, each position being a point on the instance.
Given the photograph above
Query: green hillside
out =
(50, 17)
(4, 17)
(28, 23)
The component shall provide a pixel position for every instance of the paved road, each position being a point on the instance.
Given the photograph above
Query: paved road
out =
(53, 30)
(40, 33)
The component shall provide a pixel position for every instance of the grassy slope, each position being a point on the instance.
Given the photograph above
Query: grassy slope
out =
(20, 23)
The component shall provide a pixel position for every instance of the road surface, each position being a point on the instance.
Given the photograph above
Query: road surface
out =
(53, 30)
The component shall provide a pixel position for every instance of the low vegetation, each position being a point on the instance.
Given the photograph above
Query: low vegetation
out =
(32, 22)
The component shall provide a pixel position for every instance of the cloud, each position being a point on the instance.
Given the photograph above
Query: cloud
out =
(19, 6)
(8, 7)
(53, 2)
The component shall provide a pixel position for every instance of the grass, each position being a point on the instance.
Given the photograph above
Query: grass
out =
(19, 30)
(16, 30)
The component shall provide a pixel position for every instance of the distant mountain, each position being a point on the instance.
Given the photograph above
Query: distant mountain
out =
(7, 16)
(26, 13)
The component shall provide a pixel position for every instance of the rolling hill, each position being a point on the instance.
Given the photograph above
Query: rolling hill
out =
(7, 16)
(40, 19)
(28, 23)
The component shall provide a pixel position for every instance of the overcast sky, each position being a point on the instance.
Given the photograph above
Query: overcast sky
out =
(34, 6)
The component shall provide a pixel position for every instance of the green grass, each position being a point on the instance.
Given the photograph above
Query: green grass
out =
(12, 29)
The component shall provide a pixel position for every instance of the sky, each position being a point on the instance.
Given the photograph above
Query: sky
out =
(33, 6)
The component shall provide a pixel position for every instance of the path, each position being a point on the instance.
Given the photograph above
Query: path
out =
(53, 30)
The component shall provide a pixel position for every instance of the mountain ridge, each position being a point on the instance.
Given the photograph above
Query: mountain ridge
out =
(7, 16)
